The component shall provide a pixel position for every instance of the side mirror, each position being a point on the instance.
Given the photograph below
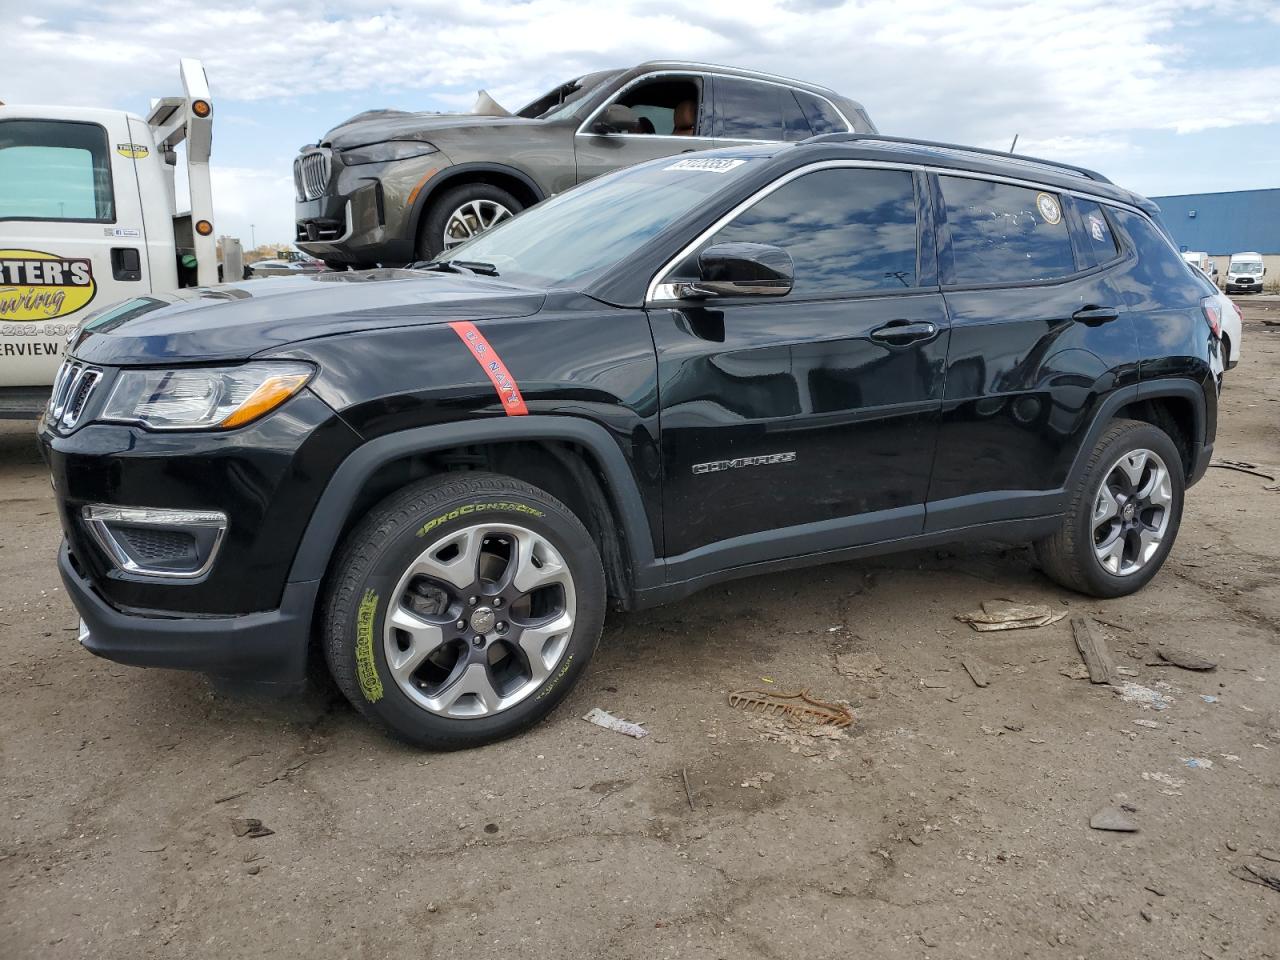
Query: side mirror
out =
(740, 270)
(616, 119)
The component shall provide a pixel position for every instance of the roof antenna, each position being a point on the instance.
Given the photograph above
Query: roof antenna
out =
(1014, 144)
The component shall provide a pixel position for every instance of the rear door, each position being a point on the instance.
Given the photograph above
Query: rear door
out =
(1039, 335)
(71, 234)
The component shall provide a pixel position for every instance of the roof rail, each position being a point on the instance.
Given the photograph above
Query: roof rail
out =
(702, 65)
(957, 147)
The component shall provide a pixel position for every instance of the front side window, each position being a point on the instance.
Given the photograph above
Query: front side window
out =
(848, 231)
(746, 110)
(668, 107)
(1002, 233)
(55, 170)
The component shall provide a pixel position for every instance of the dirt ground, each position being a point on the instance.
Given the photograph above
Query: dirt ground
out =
(949, 821)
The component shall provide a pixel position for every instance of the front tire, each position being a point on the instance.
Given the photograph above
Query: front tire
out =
(462, 609)
(1124, 514)
(461, 213)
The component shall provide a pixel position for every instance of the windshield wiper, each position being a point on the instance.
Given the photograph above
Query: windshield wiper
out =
(456, 266)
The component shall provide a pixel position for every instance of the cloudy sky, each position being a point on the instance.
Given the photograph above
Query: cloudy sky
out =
(1164, 96)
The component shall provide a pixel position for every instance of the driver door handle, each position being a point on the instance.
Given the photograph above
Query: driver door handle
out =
(1094, 315)
(900, 332)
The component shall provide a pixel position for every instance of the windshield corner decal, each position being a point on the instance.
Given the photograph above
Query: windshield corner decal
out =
(706, 165)
(503, 382)
(43, 286)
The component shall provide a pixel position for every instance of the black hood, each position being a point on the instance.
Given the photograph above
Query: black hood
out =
(378, 126)
(238, 320)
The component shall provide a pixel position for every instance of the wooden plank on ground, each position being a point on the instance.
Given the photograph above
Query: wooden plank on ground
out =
(1093, 651)
(976, 673)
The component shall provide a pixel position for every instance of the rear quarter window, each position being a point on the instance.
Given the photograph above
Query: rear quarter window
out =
(1099, 237)
(1001, 233)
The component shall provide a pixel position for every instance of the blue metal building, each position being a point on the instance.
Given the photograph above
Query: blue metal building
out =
(1224, 223)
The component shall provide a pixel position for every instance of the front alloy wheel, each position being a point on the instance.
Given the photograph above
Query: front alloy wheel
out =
(463, 608)
(472, 219)
(481, 618)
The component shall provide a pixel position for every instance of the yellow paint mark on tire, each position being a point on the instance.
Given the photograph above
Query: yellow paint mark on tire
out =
(366, 667)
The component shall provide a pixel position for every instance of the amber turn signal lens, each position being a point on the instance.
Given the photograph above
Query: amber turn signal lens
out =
(273, 392)
(204, 228)
(201, 108)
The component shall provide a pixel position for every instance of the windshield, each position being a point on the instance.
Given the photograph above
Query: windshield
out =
(1247, 266)
(564, 99)
(599, 223)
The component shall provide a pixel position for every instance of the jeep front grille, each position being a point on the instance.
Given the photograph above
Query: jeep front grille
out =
(72, 388)
(311, 174)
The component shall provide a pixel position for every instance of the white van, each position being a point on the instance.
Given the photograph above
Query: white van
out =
(1198, 258)
(1245, 273)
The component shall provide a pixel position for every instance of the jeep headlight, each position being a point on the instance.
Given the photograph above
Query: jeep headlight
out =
(201, 398)
(388, 151)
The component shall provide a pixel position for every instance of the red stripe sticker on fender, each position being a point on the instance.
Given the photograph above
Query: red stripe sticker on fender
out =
(503, 382)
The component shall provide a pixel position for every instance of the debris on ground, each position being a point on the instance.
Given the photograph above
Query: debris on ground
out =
(864, 667)
(799, 705)
(1113, 818)
(1153, 724)
(1185, 659)
(1242, 466)
(1263, 876)
(1004, 614)
(758, 781)
(1093, 651)
(1197, 763)
(1144, 697)
(976, 673)
(1174, 784)
(1208, 698)
(250, 827)
(603, 718)
(688, 792)
(810, 740)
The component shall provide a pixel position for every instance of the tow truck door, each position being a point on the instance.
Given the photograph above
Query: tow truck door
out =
(72, 236)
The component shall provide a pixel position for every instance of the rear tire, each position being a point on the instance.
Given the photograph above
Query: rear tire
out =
(462, 609)
(462, 212)
(1112, 543)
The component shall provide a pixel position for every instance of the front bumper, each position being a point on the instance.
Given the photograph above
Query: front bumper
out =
(1234, 287)
(268, 647)
(367, 215)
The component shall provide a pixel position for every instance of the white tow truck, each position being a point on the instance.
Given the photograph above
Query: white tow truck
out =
(89, 218)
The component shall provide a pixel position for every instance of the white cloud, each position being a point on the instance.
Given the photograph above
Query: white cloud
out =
(1074, 78)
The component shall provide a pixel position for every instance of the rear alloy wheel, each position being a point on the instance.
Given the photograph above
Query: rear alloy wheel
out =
(1124, 513)
(461, 213)
(463, 608)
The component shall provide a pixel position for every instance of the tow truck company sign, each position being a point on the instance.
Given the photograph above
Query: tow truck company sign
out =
(41, 286)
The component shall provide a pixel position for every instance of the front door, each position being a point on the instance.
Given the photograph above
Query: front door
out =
(805, 423)
(71, 235)
(674, 118)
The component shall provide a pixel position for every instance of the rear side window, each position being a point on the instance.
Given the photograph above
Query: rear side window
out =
(1097, 231)
(821, 115)
(55, 170)
(747, 111)
(1005, 234)
(794, 124)
(848, 231)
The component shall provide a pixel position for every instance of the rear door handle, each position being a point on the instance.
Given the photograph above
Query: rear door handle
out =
(899, 332)
(1093, 316)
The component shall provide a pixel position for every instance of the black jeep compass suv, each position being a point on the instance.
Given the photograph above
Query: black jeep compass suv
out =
(698, 368)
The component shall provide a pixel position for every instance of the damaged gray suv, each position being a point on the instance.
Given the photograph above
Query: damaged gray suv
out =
(390, 187)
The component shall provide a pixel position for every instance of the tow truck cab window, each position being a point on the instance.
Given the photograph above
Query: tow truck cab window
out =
(55, 170)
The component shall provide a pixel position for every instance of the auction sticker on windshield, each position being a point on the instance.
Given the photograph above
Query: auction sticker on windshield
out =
(707, 164)
(35, 285)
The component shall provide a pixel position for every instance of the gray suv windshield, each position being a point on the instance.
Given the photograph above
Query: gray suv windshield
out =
(598, 224)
